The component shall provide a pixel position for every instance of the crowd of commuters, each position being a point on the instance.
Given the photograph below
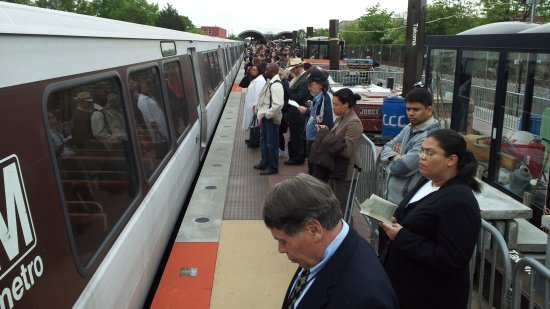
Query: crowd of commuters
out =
(424, 254)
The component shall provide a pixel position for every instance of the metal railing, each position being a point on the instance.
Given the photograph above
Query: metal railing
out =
(490, 246)
(352, 77)
(362, 185)
(533, 269)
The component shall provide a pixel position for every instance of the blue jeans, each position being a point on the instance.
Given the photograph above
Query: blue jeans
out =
(269, 145)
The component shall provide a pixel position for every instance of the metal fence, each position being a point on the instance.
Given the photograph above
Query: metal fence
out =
(353, 77)
(385, 54)
(535, 272)
(491, 275)
(362, 185)
(488, 288)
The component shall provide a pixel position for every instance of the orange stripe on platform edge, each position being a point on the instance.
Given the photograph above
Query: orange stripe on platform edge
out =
(236, 88)
(176, 291)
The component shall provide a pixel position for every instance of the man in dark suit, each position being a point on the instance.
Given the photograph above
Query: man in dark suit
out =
(338, 268)
(299, 92)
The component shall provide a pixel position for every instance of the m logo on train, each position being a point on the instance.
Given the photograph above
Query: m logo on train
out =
(17, 237)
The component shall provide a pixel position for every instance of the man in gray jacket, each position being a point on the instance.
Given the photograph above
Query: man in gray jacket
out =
(401, 154)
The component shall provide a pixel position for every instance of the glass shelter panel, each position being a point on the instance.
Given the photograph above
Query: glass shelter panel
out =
(526, 129)
(442, 70)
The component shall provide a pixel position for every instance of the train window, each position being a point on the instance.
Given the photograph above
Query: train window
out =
(176, 96)
(89, 135)
(189, 84)
(150, 118)
(205, 77)
(168, 48)
(215, 69)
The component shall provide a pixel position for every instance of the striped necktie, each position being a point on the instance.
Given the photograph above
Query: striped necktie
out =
(300, 284)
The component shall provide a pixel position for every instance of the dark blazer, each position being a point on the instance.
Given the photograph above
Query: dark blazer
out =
(299, 92)
(352, 278)
(427, 262)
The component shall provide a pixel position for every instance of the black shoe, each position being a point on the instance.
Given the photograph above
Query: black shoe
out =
(258, 167)
(290, 162)
(268, 172)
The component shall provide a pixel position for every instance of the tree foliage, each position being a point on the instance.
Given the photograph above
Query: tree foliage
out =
(169, 18)
(443, 17)
(135, 11)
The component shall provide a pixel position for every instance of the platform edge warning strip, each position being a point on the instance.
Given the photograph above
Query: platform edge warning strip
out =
(177, 291)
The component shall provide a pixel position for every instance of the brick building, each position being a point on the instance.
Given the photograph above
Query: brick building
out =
(214, 31)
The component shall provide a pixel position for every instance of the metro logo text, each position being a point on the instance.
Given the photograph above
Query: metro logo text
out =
(17, 234)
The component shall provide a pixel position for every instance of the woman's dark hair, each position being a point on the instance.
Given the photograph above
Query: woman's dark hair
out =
(345, 95)
(454, 144)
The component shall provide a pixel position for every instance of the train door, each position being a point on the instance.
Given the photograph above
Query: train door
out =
(201, 106)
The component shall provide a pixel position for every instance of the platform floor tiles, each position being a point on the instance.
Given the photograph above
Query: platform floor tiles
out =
(258, 270)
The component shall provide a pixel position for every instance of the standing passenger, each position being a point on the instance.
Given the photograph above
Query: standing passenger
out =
(437, 226)
(401, 153)
(252, 94)
(151, 110)
(269, 113)
(338, 268)
(81, 121)
(296, 120)
(347, 126)
(320, 113)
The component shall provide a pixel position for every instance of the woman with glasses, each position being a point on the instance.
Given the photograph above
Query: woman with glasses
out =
(436, 227)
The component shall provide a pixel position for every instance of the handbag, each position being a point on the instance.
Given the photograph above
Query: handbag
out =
(254, 133)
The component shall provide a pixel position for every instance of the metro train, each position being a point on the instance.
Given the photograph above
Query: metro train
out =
(104, 124)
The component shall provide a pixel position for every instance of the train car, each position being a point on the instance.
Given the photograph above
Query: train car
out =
(104, 124)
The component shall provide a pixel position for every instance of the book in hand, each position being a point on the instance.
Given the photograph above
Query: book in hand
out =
(378, 208)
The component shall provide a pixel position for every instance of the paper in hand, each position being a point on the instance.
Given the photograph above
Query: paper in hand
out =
(293, 103)
(378, 208)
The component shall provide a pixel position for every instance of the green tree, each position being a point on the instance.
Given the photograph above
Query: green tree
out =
(24, 2)
(135, 11)
(169, 18)
(450, 17)
(369, 28)
(320, 32)
(500, 10)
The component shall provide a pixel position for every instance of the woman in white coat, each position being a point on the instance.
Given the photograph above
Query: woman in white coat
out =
(253, 94)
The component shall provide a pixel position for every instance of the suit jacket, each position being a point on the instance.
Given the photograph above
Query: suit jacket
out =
(350, 127)
(299, 92)
(352, 278)
(428, 261)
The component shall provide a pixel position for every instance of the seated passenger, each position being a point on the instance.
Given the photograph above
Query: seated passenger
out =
(338, 268)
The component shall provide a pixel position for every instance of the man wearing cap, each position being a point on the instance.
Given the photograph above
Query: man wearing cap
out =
(81, 130)
(320, 112)
(296, 121)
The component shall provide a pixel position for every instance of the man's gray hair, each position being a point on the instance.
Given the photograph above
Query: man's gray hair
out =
(295, 201)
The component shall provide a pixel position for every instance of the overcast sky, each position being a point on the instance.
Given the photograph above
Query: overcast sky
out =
(274, 16)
